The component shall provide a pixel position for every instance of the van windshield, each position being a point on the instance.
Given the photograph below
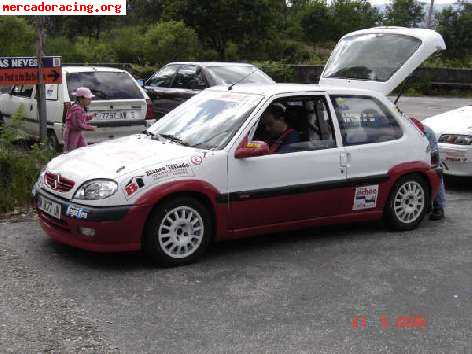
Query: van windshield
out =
(105, 85)
(208, 120)
(374, 57)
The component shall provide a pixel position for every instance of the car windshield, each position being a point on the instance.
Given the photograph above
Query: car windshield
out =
(373, 57)
(208, 120)
(105, 85)
(231, 74)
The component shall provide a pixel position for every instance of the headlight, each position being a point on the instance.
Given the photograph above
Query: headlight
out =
(96, 189)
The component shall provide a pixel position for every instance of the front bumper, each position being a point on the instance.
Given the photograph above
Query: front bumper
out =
(456, 160)
(116, 228)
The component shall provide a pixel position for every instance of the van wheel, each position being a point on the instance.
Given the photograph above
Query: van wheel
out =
(407, 203)
(178, 232)
(52, 142)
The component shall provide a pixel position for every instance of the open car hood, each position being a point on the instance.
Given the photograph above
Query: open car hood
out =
(379, 59)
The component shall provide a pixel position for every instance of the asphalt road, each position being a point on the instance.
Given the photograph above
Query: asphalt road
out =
(294, 292)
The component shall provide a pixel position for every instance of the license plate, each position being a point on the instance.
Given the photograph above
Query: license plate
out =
(49, 207)
(119, 115)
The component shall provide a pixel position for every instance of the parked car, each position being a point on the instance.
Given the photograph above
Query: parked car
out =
(453, 129)
(121, 105)
(177, 82)
(202, 173)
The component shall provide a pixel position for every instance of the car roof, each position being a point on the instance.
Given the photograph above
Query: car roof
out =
(275, 89)
(209, 63)
(86, 68)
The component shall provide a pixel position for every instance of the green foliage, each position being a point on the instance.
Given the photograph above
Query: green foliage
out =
(316, 22)
(322, 23)
(19, 169)
(218, 23)
(406, 13)
(456, 29)
(352, 15)
(170, 41)
(16, 37)
(278, 71)
(127, 44)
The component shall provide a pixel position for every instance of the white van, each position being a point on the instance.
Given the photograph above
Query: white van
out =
(122, 106)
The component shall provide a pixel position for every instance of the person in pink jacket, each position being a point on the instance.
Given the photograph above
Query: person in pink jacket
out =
(77, 120)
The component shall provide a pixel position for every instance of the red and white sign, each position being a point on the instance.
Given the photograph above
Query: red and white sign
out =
(30, 76)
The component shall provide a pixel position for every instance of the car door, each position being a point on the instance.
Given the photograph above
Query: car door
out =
(159, 90)
(282, 188)
(373, 140)
(23, 96)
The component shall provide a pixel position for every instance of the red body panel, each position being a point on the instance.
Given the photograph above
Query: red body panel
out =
(126, 234)
(110, 236)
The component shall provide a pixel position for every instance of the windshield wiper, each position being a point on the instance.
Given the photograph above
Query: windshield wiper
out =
(174, 139)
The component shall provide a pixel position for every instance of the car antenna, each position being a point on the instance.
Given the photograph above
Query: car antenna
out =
(230, 87)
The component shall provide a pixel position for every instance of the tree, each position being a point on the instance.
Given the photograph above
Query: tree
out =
(16, 36)
(406, 13)
(352, 15)
(221, 22)
(317, 22)
(170, 41)
(455, 26)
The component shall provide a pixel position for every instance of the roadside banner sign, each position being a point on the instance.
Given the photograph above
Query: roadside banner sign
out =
(25, 70)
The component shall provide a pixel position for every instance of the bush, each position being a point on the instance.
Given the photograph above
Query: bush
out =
(278, 71)
(19, 169)
(16, 37)
(170, 41)
(127, 44)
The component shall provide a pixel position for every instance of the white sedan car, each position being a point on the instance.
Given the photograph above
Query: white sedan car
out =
(453, 129)
(207, 171)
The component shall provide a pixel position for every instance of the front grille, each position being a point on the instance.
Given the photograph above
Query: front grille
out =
(456, 139)
(57, 182)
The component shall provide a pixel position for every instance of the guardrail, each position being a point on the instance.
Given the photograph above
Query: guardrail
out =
(437, 77)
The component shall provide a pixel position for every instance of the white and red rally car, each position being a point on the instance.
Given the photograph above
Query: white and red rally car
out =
(202, 173)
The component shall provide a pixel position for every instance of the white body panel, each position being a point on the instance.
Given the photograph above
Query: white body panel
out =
(456, 159)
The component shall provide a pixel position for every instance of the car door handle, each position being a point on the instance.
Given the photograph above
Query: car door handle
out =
(345, 159)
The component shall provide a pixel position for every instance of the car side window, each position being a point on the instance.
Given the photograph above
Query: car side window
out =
(164, 77)
(364, 120)
(22, 91)
(189, 77)
(308, 117)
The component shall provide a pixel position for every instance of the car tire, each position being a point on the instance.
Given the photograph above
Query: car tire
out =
(407, 204)
(53, 142)
(178, 232)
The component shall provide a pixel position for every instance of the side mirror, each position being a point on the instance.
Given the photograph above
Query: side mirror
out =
(140, 82)
(251, 149)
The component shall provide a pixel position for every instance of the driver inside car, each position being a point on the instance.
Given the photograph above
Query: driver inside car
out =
(276, 126)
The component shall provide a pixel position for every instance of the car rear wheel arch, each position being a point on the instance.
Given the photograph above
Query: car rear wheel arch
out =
(423, 180)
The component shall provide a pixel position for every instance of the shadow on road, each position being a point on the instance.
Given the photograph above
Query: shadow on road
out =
(316, 237)
(458, 183)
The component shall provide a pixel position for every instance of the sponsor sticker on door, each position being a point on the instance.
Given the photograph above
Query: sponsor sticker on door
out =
(366, 197)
